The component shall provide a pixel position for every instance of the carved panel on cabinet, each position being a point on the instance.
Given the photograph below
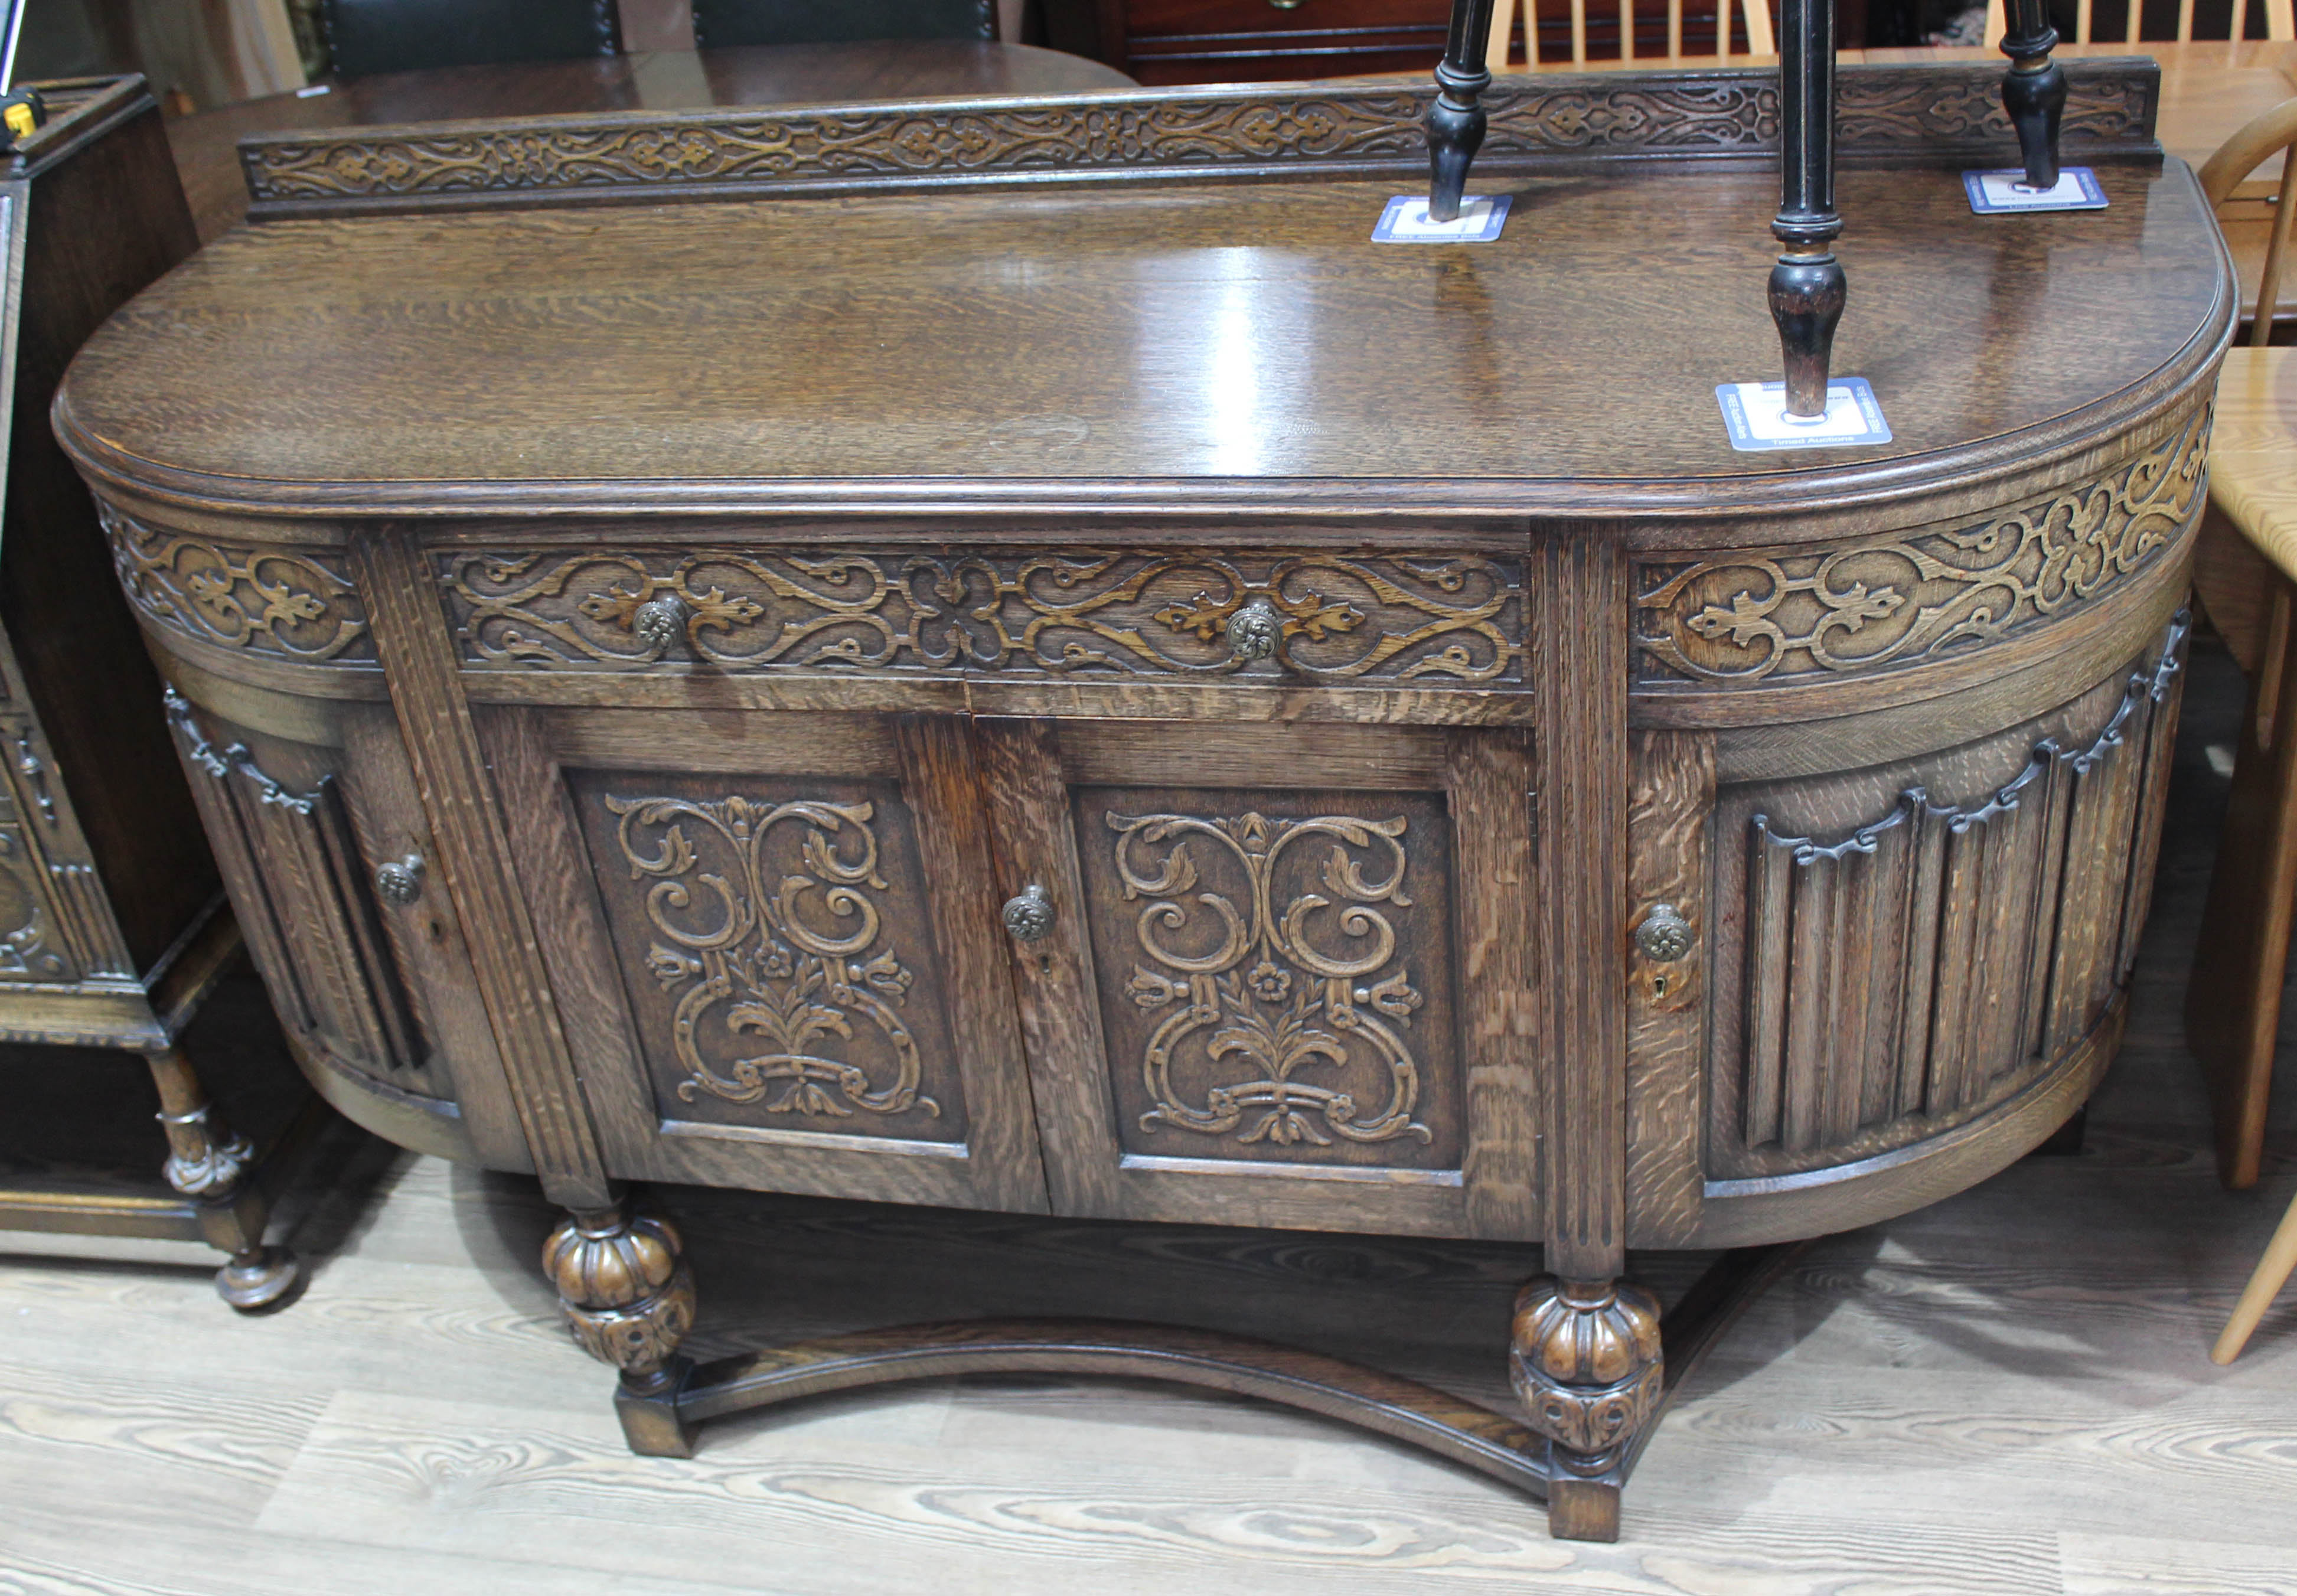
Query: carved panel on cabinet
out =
(281, 604)
(1792, 614)
(1275, 972)
(777, 951)
(1430, 621)
(301, 889)
(1927, 965)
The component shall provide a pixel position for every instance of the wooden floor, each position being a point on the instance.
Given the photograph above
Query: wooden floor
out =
(2009, 1392)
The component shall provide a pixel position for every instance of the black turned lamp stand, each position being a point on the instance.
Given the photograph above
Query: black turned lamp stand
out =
(2034, 92)
(1806, 286)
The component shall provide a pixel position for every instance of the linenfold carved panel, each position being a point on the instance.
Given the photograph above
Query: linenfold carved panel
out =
(299, 888)
(1948, 107)
(1793, 614)
(1431, 621)
(287, 604)
(777, 952)
(1926, 966)
(1275, 972)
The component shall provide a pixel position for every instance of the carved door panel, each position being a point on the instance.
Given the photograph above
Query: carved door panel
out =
(773, 942)
(1286, 977)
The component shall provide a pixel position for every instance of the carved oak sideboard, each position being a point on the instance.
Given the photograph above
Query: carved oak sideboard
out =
(984, 668)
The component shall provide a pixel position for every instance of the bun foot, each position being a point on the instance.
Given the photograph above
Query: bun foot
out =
(261, 1279)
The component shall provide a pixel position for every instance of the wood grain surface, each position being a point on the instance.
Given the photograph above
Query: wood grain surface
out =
(945, 351)
(2008, 1392)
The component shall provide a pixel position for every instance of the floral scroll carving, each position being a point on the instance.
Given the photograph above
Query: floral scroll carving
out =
(1748, 618)
(794, 960)
(1176, 132)
(1269, 997)
(283, 603)
(1441, 619)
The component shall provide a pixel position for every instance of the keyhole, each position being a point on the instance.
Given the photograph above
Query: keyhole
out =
(1658, 987)
(1044, 964)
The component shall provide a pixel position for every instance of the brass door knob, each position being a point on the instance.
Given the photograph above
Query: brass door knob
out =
(1664, 935)
(1255, 631)
(398, 881)
(660, 623)
(1030, 916)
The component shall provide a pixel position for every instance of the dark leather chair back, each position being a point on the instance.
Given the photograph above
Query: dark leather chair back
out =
(407, 35)
(718, 23)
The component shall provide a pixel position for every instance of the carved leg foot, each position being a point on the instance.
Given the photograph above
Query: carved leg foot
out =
(629, 1298)
(210, 1163)
(1584, 1360)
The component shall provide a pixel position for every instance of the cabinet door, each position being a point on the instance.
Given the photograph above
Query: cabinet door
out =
(1288, 979)
(774, 942)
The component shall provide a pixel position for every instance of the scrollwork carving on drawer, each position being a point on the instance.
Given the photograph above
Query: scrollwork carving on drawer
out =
(1432, 621)
(1789, 614)
(285, 602)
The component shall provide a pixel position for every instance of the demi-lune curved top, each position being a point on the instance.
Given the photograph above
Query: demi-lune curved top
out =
(1132, 346)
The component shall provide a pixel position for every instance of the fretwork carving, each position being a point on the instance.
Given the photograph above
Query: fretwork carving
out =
(1793, 614)
(287, 604)
(1432, 621)
(790, 949)
(1249, 980)
(1920, 967)
(1179, 131)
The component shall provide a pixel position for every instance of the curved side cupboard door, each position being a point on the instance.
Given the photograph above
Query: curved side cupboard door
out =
(774, 942)
(1274, 974)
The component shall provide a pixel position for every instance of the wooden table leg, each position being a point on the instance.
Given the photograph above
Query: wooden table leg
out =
(1455, 122)
(1808, 287)
(2273, 1272)
(627, 1295)
(210, 1163)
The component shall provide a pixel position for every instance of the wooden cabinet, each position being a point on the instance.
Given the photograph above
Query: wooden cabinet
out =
(1127, 698)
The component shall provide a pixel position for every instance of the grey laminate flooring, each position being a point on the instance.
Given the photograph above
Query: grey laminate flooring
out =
(2008, 1392)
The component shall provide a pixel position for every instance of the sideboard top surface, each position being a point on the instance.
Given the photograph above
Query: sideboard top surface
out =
(1237, 346)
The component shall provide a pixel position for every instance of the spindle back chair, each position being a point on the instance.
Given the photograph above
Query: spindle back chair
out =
(1761, 40)
(2278, 22)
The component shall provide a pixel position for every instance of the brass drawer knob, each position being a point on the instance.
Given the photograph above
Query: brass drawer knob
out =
(660, 623)
(1030, 916)
(1665, 935)
(398, 881)
(1255, 631)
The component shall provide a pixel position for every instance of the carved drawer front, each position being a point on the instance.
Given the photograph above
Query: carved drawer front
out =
(1900, 974)
(773, 941)
(303, 892)
(776, 948)
(1253, 995)
(1422, 620)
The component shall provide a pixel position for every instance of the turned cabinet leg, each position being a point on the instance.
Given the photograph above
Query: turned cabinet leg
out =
(1584, 1360)
(211, 1163)
(629, 1297)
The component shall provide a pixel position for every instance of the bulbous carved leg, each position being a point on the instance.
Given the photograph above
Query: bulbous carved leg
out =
(210, 1163)
(1585, 1359)
(629, 1298)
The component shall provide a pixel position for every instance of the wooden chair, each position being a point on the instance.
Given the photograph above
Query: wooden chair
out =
(1757, 14)
(2278, 22)
(2233, 1008)
(719, 23)
(409, 36)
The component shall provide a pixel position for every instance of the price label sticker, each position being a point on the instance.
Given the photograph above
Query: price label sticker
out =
(1405, 221)
(1756, 414)
(1991, 192)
